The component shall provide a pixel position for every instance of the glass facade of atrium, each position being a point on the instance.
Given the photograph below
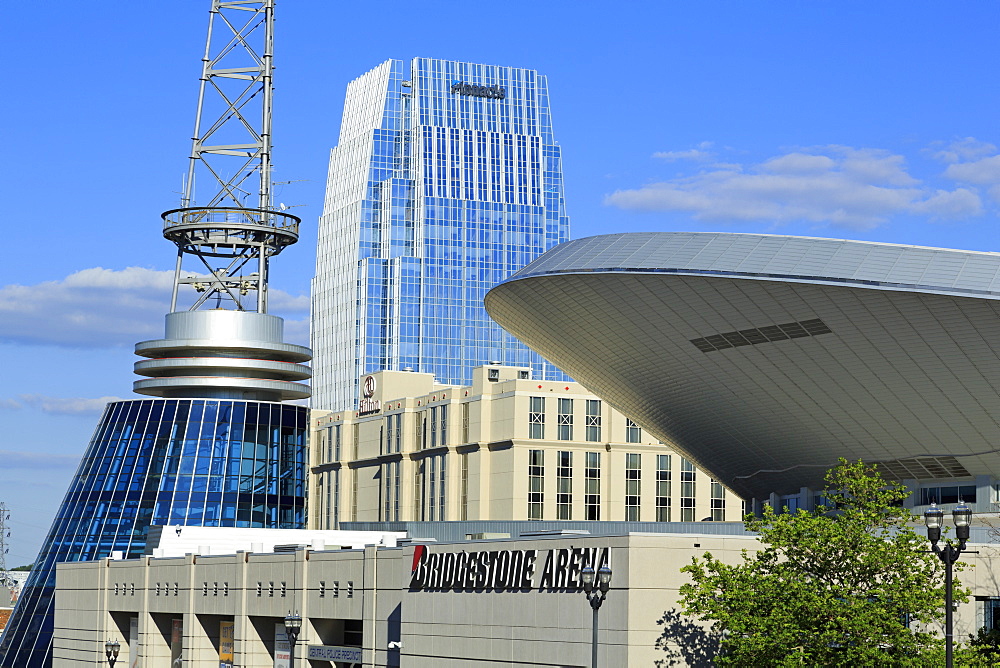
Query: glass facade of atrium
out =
(199, 462)
(446, 180)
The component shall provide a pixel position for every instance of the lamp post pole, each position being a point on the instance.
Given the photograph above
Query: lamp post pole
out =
(111, 649)
(293, 624)
(948, 554)
(595, 596)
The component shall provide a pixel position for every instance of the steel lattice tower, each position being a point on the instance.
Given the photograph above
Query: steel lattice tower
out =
(236, 227)
(5, 579)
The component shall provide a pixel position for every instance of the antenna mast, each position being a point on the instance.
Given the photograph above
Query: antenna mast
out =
(231, 160)
(5, 578)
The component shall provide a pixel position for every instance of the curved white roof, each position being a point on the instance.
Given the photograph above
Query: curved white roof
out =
(765, 358)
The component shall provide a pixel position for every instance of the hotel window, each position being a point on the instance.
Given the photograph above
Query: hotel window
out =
(441, 487)
(718, 501)
(940, 495)
(663, 488)
(593, 420)
(434, 426)
(564, 486)
(394, 426)
(321, 519)
(335, 519)
(432, 479)
(356, 434)
(536, 418)
(418, 490)
(633, 434)
(564, 420)
(592, 489)
(465, 421)
(337, 442)
(354, 495)
(688, 472)
(991, 612)
(633, 486)
(536, 483)
(443, 423)
(390, 493)
(464, 510)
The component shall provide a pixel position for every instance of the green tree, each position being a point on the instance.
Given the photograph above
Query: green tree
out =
(838, 586)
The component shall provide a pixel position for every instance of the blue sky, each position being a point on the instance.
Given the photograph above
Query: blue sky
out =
(861, 120)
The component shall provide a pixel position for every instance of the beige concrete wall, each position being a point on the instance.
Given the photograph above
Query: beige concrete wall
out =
(497, 421)
(639, 623)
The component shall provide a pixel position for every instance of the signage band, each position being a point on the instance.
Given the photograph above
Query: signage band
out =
(503, 570)
(495, 92)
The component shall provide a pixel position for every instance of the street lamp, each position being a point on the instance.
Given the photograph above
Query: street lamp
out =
(596, 596)
(948, 553)
(111, 649)
(293, 624)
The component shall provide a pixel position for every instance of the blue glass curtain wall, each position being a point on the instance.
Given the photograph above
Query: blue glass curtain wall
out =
(198, 462)
(463, 190)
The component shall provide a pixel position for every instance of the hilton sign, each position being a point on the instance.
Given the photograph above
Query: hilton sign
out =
(503, 570)
(367, 405)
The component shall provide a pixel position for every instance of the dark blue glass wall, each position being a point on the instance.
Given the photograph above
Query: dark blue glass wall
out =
(198, 462)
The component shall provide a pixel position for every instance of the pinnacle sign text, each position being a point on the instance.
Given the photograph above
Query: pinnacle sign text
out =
(495, 92)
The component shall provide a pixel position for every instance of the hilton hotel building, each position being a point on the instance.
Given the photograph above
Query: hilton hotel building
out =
(506, 447)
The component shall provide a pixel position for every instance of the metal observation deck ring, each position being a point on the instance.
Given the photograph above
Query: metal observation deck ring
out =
(230, 231)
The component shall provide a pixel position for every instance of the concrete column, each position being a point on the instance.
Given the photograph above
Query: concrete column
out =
(914, 498)
(984, 494)
(807, 499)
(774, 500)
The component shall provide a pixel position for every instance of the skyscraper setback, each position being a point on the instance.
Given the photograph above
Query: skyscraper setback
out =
(446, 179)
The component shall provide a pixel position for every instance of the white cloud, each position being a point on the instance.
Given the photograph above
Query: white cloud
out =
(974, 163)
(969, 148)
(66, 405)
(836, 185)
(985, 171)
(297, 331)
(96, 308)
(15, 459)
(697, 154)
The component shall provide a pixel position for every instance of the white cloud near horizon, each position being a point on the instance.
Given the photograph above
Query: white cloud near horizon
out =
(16, 459)
(58, 405)
(700, 153)
(841, 186)
(103, 308)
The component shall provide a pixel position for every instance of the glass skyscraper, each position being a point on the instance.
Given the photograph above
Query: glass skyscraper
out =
(446, 179)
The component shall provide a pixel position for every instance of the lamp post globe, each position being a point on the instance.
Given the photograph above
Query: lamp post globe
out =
(111, 649)
(933, 520)
(293, 624)
(948, 553)
(962, 516)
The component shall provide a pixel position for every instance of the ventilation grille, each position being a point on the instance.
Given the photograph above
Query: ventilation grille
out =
(769, 334)
(923, 468)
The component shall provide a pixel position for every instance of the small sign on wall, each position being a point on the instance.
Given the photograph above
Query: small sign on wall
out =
(335, 653)
(282, 650)
(227, 634)
(176, 642)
